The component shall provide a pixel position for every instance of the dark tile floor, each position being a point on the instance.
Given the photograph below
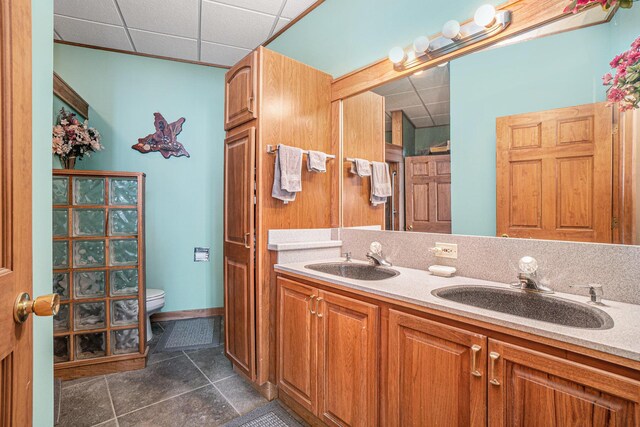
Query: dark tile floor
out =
(185, 388)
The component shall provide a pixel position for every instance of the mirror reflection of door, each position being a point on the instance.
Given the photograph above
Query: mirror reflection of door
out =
(417, 135)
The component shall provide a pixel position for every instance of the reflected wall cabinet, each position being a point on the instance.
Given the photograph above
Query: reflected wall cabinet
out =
(98, 271)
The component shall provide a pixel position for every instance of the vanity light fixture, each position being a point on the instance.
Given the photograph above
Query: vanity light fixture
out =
(487, 22)
(451, 30)
(397, 55)
(485, 16)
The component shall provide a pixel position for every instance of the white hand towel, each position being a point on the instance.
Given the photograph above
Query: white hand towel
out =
(380, 183)
(316, 161)
(290, 168)
(277, 192)
(361, 167)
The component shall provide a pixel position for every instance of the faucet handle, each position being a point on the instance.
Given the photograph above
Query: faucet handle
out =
(347, 255)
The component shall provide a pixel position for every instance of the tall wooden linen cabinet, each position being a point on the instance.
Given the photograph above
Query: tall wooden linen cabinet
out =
(269, 100)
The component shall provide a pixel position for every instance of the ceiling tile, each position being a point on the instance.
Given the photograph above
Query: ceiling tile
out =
(235, 27)
(165, 45)
(91, 33)
(442, 120)
(94, 10)
(400, 101)
(414, 111)
(55, 36)
(422, 122)
(281, 23)
(436, 94)
(439, 107)
(438, 76)
(222, 55)
(174, 17)
(397, 86)
(293, 8)
(266, 6)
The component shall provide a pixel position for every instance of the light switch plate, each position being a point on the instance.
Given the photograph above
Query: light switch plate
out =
(447, 250)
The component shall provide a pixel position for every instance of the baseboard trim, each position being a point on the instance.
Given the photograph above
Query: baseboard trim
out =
(164, 316)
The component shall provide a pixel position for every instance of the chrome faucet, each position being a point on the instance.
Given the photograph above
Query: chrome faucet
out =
(378, 259)
(528, 276)
(347, 256)
(595, 292)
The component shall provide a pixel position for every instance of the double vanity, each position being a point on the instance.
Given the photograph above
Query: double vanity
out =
(362, 344)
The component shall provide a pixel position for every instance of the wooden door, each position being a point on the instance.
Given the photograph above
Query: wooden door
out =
(16, 358)
(554, 174)
(297, 342)
(241, 88)
(392, 207)
(348, 337)
(437, 374)
(239, 255)
(428, 193)
(527, 388)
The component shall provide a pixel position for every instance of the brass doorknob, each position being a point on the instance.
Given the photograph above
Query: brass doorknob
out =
(410, 227)
(46, 305)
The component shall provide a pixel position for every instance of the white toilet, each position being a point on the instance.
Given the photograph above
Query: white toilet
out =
(155, 302)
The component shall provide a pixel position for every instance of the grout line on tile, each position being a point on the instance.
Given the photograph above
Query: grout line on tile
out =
(93, 379)
(225, 378)
(105, 422)
(164, 360)
(227, 399)
(113, 408)
(197, 367)
(57, 420)
(164, 400)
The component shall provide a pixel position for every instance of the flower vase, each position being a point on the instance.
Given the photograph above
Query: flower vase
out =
(68, 162)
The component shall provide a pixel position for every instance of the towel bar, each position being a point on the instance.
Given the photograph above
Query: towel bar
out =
(349, 159)
(272, 150)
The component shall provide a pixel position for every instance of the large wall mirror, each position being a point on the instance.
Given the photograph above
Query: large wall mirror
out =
(516, 140)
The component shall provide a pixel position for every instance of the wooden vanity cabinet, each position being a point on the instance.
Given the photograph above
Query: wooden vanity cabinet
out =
(529, 388)
(328, 354)
(436, 374)
(241, 88)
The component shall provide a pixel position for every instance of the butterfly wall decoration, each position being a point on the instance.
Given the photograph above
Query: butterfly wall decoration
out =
(164, 139)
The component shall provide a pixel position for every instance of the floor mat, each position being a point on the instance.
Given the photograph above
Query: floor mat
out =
(270, 415)
(191, 334)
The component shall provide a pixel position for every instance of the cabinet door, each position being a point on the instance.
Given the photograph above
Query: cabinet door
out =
(241, 86)
(239, 295)
(527, 388)
(297, 342)
(348, 334)
(436, 374)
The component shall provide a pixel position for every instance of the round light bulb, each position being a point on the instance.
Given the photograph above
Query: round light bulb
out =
(397, 55)
(485, 15)
(421, 44)
(451, 29)
(411, 55)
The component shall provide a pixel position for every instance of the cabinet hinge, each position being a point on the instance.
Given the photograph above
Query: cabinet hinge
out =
(614, 222)
(616, 129)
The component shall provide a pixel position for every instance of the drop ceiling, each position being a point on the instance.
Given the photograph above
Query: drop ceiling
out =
(424, 98)
(216, 32)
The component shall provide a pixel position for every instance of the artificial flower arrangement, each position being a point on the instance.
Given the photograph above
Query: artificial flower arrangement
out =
(577, 5)
(624, 86)
(72, 139)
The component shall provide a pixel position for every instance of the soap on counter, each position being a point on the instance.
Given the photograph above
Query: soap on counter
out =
(442, 270)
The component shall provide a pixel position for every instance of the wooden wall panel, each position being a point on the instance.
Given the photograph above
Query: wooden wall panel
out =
(362, 137)
(295, 110)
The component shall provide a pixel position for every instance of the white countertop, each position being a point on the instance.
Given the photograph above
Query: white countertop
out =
(415, 287)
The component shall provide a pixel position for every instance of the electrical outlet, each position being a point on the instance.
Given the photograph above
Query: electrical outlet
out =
(446, 250)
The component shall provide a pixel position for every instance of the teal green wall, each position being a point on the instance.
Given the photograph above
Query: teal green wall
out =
(625, 27)
(551, 72)
(42, 87)
(184, 195)
(428, 137)
(342, 35)
(408, 136)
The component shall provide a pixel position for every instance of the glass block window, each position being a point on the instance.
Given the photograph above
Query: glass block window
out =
(61, 320)
(60, 190)
(123, 191)
(88, 222)
(125, 341)
(124, 282)
(89, 346)
(60, 223)
(88, 253)
(89, 315)
(124, 312)
(88, 191)
(123, 252)
(89, 284)
(61, 349)
(123, 222)
(61, 285)
(60, 254)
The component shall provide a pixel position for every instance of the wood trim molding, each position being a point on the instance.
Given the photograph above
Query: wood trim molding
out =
(164, 316)
(66, 93)
(146, 55)
(526, 15)
(293, 22)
